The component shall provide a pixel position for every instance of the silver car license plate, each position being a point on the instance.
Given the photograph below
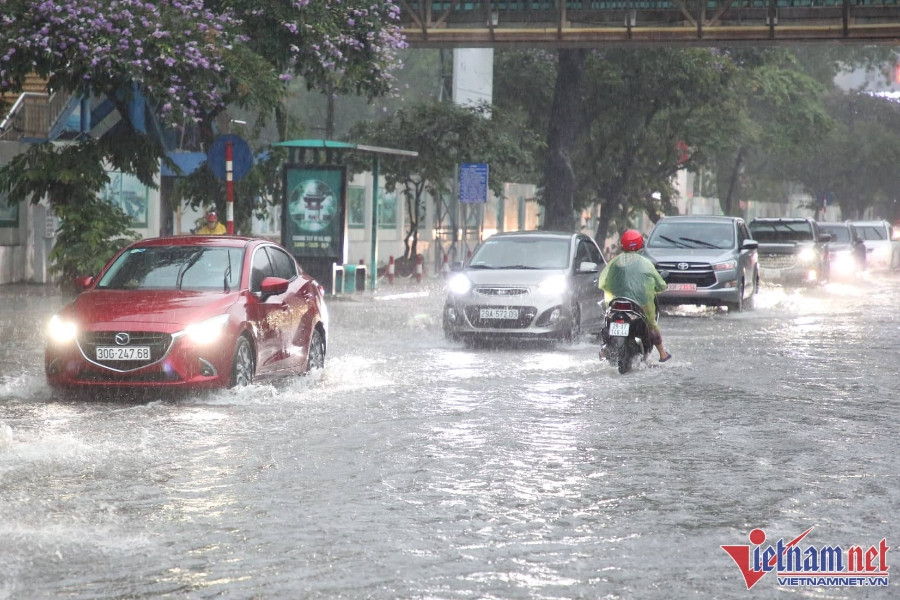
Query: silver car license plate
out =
(499, 313)
(618, 329)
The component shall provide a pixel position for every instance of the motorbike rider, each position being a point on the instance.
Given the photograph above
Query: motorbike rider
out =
(633, 276)
(212, 225)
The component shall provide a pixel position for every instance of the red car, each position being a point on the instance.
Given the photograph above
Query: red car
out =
(189, 312)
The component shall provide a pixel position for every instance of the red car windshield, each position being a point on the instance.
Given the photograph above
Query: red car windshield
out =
(175, 268)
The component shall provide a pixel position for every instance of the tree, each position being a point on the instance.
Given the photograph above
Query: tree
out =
(778, 109)
(184, 62)
(856, 165)
(444, 135)
(645, 107)
(631, 112)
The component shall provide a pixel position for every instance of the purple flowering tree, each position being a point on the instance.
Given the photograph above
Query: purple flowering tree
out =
(189, 59)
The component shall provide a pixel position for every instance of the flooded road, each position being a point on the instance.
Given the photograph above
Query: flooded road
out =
(413, 467)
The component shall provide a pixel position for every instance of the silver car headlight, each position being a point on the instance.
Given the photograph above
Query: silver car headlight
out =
(554, 284)
(459, 284)
(208, 331)
(61, 331)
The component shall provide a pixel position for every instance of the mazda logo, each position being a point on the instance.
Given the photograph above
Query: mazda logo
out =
(683, 266)
(122, 339)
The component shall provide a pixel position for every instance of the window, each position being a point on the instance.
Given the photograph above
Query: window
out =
(128, 193)
(387, 210)
(356, 207)
(282, 264)
(259, 269)
(9, 213)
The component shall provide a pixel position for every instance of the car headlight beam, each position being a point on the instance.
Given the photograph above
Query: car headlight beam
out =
(459, 284)
(208, 331)
(553, 284)
(61, 330)
(807, 255)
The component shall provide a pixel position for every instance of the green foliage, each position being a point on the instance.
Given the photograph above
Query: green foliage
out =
(71, 176)
(856, 164)
(254, 194)
(444, 135)
(90, 233)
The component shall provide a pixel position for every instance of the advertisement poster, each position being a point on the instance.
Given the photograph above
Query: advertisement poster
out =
(314, 215)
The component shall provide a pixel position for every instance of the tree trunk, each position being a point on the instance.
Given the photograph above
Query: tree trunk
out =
(727, 203)
(565, 122)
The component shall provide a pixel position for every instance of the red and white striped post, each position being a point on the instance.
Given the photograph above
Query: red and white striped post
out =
(390, 270)
(229, 188)
(418, 268)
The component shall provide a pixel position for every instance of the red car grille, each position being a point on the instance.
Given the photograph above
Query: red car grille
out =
(158, 343)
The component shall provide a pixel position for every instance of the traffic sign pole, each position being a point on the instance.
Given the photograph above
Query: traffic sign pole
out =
(229, 187)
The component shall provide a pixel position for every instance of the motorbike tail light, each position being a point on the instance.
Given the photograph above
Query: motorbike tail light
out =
(620, 305)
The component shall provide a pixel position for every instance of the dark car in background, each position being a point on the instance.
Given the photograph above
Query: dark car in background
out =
(189, 312)
(846, 250)
(792, 250)
(711, 260)
(530, 284)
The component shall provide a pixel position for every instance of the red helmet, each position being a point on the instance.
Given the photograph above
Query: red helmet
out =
(631, 241)
(211, 216)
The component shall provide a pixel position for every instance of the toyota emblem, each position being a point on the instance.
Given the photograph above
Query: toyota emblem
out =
(122, 339)
(683, 266)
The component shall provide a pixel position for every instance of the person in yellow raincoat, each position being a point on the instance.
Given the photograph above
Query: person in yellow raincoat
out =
(212, 225)
(633, 276)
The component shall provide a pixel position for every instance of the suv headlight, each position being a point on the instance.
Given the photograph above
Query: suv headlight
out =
(725, 266)
(459, 284)
(807, 255)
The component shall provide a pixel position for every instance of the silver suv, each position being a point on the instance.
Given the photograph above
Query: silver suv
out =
(711, 260)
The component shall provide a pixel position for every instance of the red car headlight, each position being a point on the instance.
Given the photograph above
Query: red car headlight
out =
(61, 331)
(208, 331)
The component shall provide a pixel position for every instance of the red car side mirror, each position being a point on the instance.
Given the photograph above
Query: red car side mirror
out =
(84, 282)
(272, 286)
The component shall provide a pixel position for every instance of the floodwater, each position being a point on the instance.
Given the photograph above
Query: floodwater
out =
(413, 467)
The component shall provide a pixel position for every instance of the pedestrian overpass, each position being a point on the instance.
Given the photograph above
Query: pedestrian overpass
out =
(593, 23)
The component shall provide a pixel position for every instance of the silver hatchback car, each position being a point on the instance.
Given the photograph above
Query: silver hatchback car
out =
(711, 260)
(527, 284)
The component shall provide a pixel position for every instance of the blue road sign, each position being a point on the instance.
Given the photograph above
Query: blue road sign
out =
(241, 158)
(473, 183)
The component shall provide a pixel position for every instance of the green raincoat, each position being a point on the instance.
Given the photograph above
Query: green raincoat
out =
(634, 277)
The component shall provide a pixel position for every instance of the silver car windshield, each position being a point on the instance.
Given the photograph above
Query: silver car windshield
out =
(673, 234)
(521, 253)
(176, 268)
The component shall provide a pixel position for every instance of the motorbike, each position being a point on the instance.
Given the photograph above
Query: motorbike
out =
(626, 332)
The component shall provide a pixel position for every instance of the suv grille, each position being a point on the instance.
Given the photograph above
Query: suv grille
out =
(159, 344)
(697, 273)
(777, 261)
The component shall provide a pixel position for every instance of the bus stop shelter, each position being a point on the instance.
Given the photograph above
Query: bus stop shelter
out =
(314, 202)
